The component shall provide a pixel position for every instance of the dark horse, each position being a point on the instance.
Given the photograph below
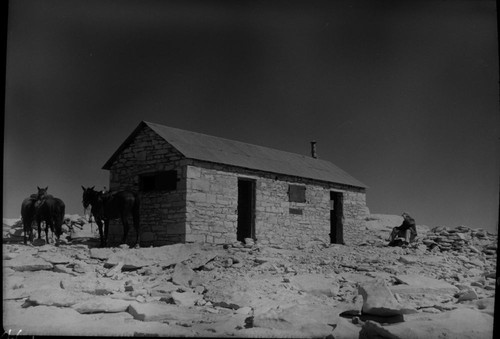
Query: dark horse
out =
(113, 205)
(28, 216)
(51, 210)
(42, 207)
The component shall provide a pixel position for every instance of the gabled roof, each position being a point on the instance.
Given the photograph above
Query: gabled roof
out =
(204, 147)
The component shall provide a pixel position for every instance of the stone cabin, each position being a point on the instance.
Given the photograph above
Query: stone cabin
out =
(200, 188)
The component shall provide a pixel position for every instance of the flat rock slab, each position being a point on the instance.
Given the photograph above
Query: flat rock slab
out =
(101, 305)
(296, 316)
(357, 277)
(460, 323)
(161, 312)
(54, 258)
(55, 297)
(60, 268)
(91, 285)
(315, 284)
(163, 289)
(198, 259)
(102, 253)
(165, 255)
(409, 259)
(24, 283)
(418, 284)
(56, 321)
(379, 300)
(28, 262)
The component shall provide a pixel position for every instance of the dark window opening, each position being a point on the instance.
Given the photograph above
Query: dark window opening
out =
(297, 193)
(160, 181)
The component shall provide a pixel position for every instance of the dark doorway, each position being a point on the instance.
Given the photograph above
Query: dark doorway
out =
(246, 209)
(336, 218)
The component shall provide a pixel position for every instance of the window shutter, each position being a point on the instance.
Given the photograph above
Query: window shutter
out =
(297, 193)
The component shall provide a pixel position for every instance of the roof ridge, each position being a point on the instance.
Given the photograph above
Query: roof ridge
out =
(206, 147)
(238, 141)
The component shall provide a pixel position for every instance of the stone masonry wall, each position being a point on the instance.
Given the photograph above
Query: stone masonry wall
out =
(275, 224)
(212, 203)
(162, 212)
(355, 214)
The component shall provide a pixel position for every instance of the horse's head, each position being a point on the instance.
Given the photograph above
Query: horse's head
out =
(42, 192)
(89, 196)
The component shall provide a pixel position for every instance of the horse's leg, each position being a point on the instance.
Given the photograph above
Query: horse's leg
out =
(135, 217)
(106, 230)
(125, 228)
(31, 229)
(48, 225)
(39, 222)
(98, 221)
(25, 223)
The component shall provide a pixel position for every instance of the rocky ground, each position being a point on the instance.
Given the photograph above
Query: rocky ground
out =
(441, 286)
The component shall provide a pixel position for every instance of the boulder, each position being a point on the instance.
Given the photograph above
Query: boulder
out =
(466, 295)
(85, 232)
(460, 323)
(183, 275)
(82, 267)
(115, 270)
(379, 300)
(101, 305)
(186, 298)
(160, 312)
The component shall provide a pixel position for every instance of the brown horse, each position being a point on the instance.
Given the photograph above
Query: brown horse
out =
(107, 206)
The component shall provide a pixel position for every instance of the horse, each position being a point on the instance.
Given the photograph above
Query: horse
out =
(28, 216)
(107, 206)
(51, 210)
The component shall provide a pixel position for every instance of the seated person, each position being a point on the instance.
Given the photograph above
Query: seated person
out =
(404, 234)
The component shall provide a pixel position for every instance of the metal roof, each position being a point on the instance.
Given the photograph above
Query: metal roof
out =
(235, 153)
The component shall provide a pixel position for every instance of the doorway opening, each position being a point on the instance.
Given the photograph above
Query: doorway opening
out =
(246, 209)
(336, 218)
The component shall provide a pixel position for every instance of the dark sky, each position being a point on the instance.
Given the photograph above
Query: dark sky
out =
(403, 95)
